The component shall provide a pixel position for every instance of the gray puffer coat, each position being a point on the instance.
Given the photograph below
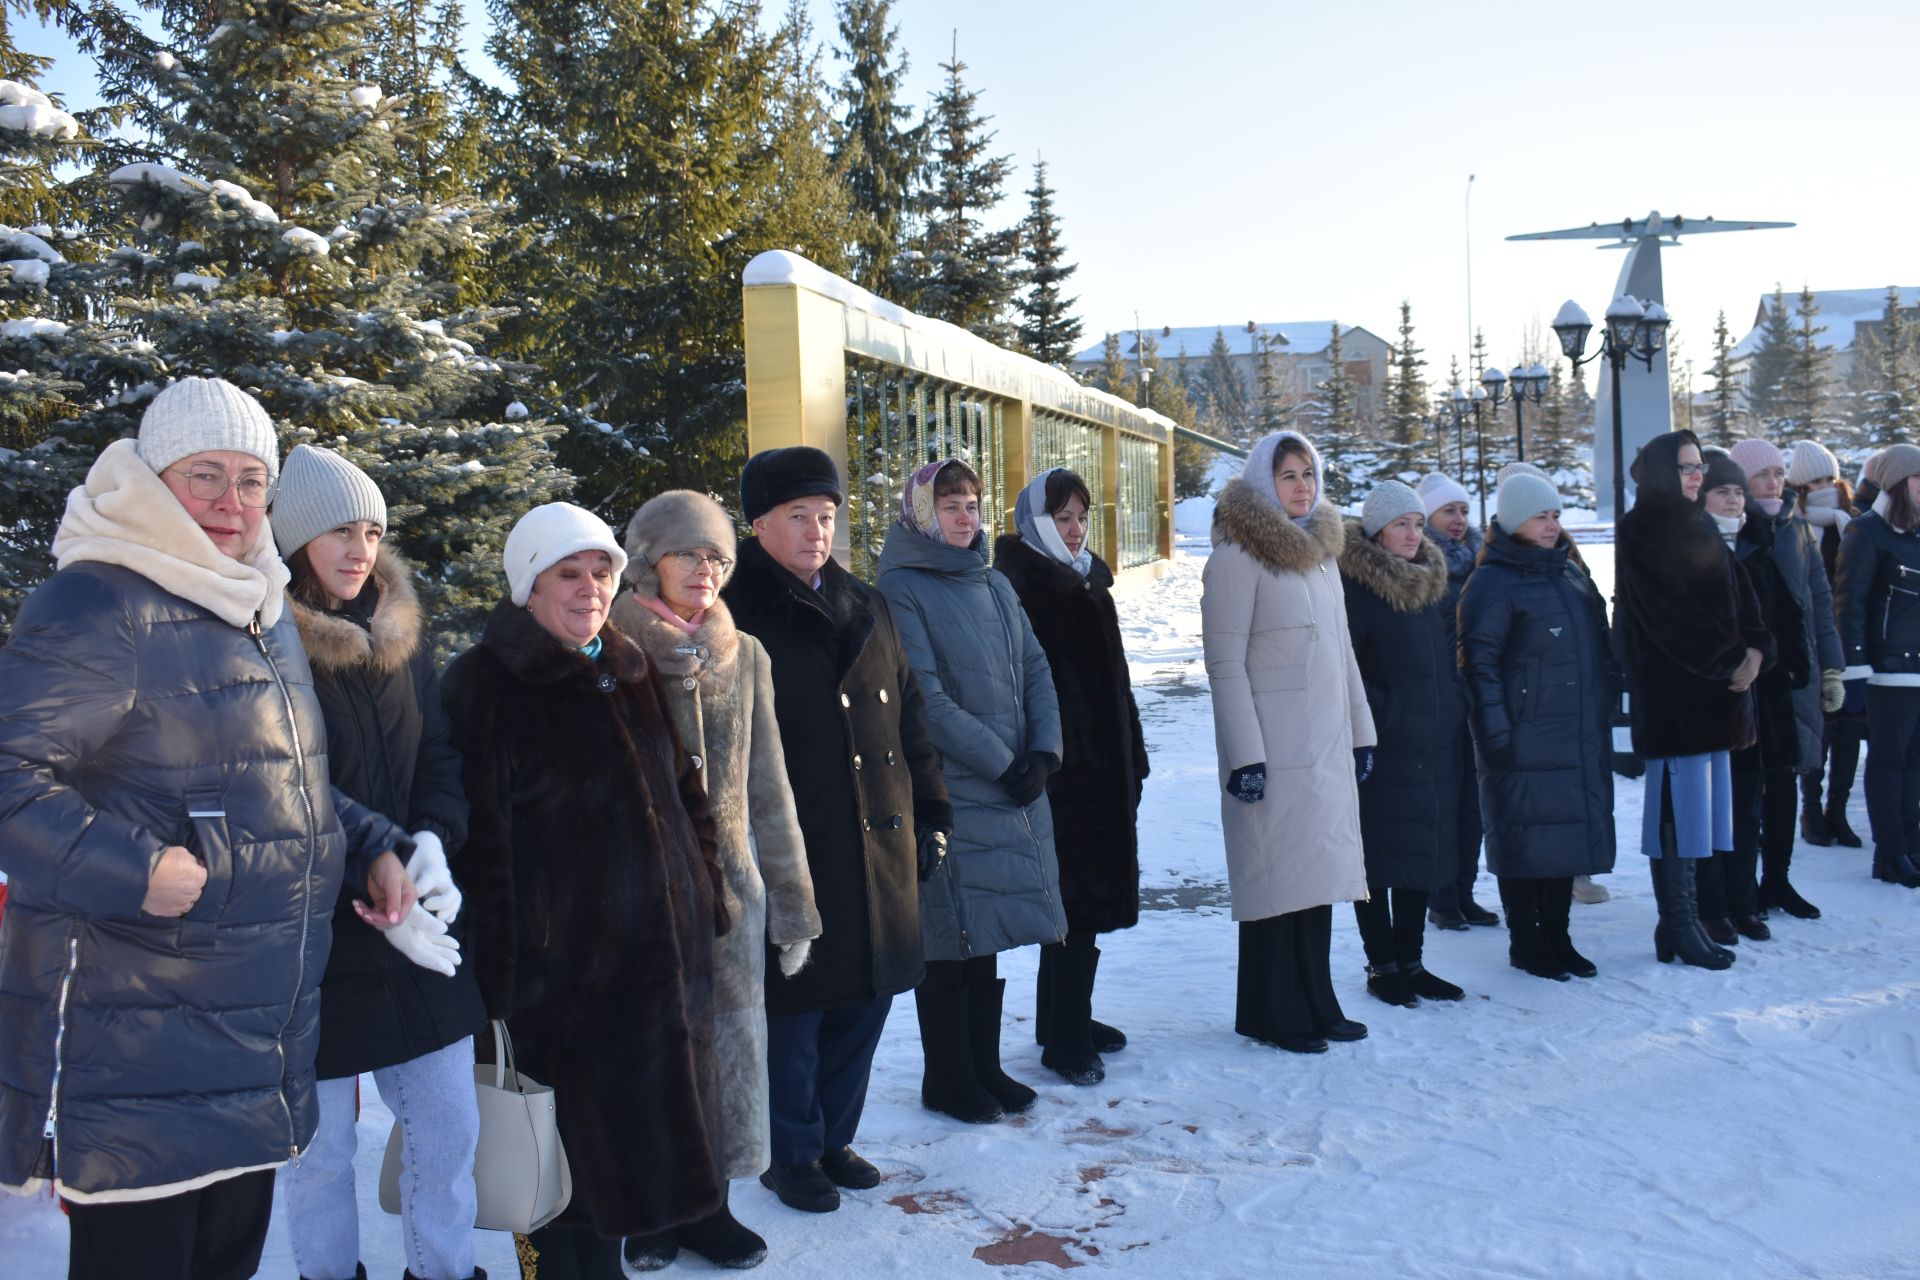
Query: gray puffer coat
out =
(990, 699)
(1796, 551)
(141, 1056)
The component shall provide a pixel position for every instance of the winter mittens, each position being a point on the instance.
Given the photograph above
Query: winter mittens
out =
(794, 955)
(1833, 691)
(1362, 763)
(1248, 783)
(933, 851)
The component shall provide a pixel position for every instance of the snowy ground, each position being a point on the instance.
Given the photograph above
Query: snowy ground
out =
(1654, 1122)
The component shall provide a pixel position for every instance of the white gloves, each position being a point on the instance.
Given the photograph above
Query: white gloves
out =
(424, 940)
(794, 956)
(427, 868)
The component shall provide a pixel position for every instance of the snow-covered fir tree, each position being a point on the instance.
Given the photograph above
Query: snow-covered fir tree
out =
(954, 268)
(875, 145)
(1804, 410)
(1331, 420)
(1887, 374)
(1048, 330)
(1768, 366)
(1405, 424)
(1727, 418)
(803, 201)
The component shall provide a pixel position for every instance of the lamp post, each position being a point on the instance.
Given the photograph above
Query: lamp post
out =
(1525, 384)
(1479, 401)
(1457, 406)
(1632, 330)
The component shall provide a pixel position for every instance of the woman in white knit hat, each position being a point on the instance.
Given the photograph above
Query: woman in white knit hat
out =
(593, 893)
(174, 850)
(1395, 581)
(1826, 504)
(397, 1003)
(719, 685)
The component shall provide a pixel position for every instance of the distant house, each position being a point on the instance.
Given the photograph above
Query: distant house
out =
(1299, 354)
(1847, 314)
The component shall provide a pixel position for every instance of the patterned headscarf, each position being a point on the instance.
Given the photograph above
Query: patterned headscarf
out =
(918, 508)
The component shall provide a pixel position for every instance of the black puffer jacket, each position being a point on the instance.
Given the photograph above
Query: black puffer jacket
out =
(864, 774)
(1877, 588)
(1096, 792)
(1542, 681)
(390, 749)
(130, 720)
(1403, 641)
(1777, 737)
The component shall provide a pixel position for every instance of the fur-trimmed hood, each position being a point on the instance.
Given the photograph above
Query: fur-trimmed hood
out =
(391, 637)
(1242, 517)
(1408, 586)
(710, 650)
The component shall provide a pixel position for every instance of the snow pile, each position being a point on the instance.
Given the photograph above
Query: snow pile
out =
(305, 243)
(516, 411)
(164, 62)
(194, 280)
(27, 271)
(33, 327)
(31, 112)
(164, 176)
(365, 96)
(238, 195)
(28, 244)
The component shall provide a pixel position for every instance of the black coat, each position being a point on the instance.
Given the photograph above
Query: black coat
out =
(390, 748)
(592, 902)
(864, 775)
(1542, 683)
(1403, 641)
(131, 720)
(1096, 793)
(1686, 615)
(1877, 591)
(1777, 728)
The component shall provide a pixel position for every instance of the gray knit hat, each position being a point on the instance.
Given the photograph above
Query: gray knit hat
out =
(1895, 463)
(195, 415)
(677, 520)
(1811, 461)
(1388, 501)
(320, 490)
(1501, 476)
(1523, 496)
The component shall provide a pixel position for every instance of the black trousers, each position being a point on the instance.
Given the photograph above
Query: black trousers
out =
(215, 1233)
(568, 1253)
(1893, 768)
(1457, 877)
(1393, 925)
(1286, 979)
(817, 1066)
(1765, 810)
(1840, 753)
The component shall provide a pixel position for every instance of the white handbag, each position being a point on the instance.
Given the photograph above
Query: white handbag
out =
(520, 1169)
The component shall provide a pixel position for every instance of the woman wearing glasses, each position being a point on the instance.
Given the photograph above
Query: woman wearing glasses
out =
(719, 689)
(1693, 641)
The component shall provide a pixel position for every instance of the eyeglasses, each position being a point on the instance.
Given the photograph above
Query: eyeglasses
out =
(210, 484)
(695, 561)
(1693, 468)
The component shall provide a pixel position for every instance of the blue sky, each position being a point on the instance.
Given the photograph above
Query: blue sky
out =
(1264, 159)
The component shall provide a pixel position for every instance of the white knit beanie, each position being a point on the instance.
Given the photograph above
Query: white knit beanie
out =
(547, 535)
(1436, 490)
(1811, 461)
(320, 490)
(1524, 496)
(195, 415)
(1388, 501)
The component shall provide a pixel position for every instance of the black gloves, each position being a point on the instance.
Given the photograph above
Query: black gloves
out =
(1248, 783)
(933, 851)
(1362, 763)
(1026, 778)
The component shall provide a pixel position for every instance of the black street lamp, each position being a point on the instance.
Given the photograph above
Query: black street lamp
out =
(1632, 330)
(1479, 401)
(1457, 406)
(1526, 383)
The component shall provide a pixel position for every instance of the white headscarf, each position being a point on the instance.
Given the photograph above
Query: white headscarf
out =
(1038, 531)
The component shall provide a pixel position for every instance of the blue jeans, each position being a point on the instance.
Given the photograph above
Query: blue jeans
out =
(432, 1098)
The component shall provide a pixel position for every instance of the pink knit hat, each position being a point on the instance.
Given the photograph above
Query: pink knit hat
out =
(1757, 455)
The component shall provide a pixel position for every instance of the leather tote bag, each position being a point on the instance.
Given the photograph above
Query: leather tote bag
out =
(519, 1170)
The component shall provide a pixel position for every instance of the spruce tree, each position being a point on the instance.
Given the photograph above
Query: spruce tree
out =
(1113, 376)
(1805, 394)
(1768, 365)
(1406, 398)
(954, 268)
(1223, 396)
(874, 145)
(1048, 330)
(1335, 429)
(801, 200)
(1726, 425)
(1885, 369)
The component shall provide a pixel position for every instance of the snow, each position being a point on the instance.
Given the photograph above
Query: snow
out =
(365, 96)
(1656, 1121)
(160, 175)
(195, 280)
(31, 112)
(516, 411)
(1570, 313)
(164, 61)
(32, 327)
(1625, 307)
(1842, 312)
(305, 243)
(29, 244)
(27, 271)
(239, 195)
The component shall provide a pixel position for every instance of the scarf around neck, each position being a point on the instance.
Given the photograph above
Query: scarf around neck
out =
(125, 515)
(1038, 531)
(665, 613)
(1822, 507)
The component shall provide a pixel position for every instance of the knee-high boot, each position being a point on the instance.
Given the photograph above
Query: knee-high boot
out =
(1678, 933)
(986, 992)
(1526, 946)
(1069, 1048)
(949, 1083)
(1556, 908)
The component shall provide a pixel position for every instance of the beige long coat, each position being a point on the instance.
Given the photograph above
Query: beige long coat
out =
(719, 685)
(1286, 690)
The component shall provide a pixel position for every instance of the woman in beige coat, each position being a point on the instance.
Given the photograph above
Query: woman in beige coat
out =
(1294, 737)
(719, 685)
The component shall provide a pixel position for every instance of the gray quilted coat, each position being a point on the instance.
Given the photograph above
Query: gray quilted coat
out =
(990, 698)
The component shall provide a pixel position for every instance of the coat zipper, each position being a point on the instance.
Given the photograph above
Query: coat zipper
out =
(51, 1131)
(306, 881)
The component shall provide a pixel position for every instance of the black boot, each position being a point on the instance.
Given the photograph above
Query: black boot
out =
(1710, 893)
(1843, 834)
(805, 1187)
(655, 1252)
(1896, 868)
(1778, 894)
(1556, 910)
(1105, 1039)
(950, 1084)
(1409, 946)
(721, 1240)
(1526, 948)
(1043, 993)
(1069, 1051)
(1813, 826)
(1476, 914)
(1387, 984)
(1678, 933)
(1449, 917)
(984, 999)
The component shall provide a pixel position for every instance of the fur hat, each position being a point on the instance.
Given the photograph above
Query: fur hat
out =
(775, 476)
(320, 490)
(1436, 490)
(677, 520)
(1723, 468)
(1755, 456)
(1811, 461)
(1258, 472)
(547, 535)
(1524, 495)
(195, 415)
(1388, 501)
(1501, 476)
(1895, 463)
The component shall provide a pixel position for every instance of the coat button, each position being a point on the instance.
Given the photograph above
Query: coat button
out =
(605, 683)
(866, 824)
(845, 701)
(856, 761)
(889, 757)
(689, 683)
(895, 822)
(883, 695)
(701, 653)
(698, 763)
